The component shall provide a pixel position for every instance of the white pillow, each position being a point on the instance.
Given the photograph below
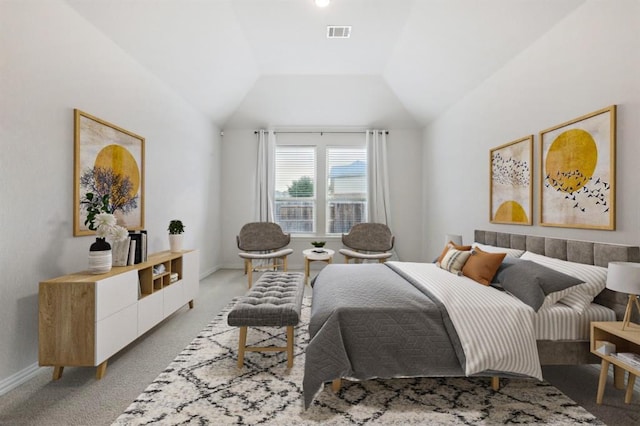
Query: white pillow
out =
(580, 296)
(493, 249)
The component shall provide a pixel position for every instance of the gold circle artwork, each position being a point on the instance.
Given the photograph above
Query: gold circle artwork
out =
(120, 160)
(571, 160)
(511, 211)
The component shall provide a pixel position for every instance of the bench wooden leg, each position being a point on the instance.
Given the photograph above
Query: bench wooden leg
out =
(289, 346)
(241, 346)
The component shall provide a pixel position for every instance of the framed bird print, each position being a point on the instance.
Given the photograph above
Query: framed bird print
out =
(578, 172)
(510, 190)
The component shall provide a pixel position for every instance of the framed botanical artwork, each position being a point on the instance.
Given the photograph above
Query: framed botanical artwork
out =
(578, 172)
(109, 165)
(510, 189)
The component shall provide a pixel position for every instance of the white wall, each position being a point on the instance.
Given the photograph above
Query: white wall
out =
(588, 61)
(52, 61)
(239, 154)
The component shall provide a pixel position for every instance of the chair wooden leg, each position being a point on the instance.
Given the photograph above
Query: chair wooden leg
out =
(335, 385)
(284, 264)
(249, 268)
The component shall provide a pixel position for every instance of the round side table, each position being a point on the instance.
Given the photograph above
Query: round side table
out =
(312, 255)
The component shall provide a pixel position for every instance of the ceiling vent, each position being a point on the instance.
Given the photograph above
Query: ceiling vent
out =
(338, 31)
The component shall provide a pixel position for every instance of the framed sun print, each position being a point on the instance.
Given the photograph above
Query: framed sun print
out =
(578, 172)
(510, 189)
(108, 161)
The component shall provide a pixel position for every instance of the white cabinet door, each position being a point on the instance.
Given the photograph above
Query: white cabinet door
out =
(116, 293)
(191, 274)
(115, 332)
(150, 311)
(173, 296)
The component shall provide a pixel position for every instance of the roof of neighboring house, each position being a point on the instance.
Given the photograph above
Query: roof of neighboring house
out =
(357, 168)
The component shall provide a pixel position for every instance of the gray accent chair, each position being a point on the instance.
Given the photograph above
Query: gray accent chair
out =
(263, 241)
(368, 241)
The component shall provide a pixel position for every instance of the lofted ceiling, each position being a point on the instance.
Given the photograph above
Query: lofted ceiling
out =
(406, 62)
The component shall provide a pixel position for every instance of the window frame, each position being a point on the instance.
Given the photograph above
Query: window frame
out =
(322, 141)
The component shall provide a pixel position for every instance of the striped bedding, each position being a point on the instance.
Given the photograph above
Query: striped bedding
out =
(495, 330)
(560, 322)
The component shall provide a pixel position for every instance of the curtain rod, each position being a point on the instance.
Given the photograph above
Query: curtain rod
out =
(255, 132)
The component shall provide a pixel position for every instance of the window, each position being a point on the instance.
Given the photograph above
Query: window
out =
(320, 182)
(295, 197)
(346, 188)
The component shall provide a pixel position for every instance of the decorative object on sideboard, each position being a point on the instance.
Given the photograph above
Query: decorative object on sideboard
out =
(108, 161)
(176, 229)
(104, 223)
(624, 277)
(100, 257)
(120, 252)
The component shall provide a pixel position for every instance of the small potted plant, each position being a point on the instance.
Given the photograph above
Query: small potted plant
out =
(176, 229)
(319, 246)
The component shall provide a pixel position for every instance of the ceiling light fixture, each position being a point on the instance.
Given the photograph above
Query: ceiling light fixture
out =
(322, 3)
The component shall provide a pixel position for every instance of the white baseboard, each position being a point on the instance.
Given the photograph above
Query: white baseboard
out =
(19, 378)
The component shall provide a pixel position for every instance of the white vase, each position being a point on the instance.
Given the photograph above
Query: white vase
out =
(100, 257)
(175, 242)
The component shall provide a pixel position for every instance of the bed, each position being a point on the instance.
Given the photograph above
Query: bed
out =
(403, 319)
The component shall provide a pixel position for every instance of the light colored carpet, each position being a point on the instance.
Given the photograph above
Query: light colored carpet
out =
(204, 386)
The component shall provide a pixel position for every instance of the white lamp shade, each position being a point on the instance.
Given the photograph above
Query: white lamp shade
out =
(624, 277)
(455, 239)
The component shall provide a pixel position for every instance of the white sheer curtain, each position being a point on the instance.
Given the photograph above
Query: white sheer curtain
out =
(265, 176)
(379, 206)
(379, 209)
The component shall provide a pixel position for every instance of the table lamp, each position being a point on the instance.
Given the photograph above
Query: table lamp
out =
(624, 277)
(455, 239)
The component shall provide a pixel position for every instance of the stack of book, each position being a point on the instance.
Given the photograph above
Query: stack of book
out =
(629, 358)
(137, 247)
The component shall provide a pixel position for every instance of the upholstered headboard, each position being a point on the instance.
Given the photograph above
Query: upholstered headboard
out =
(591, 253)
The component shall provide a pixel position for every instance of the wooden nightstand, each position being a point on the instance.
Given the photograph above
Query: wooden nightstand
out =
(625, 341)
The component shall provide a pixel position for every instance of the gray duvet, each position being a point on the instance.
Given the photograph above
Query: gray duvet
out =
(368, 321)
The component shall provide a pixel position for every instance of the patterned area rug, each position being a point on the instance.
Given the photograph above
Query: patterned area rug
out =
(203, 386)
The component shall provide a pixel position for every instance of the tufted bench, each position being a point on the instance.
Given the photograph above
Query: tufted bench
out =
(274, 301)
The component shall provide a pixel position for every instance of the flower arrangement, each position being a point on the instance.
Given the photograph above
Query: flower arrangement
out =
(101, 219)
(108, 228)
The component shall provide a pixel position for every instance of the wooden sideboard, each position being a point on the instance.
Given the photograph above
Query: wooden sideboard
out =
(85, 318)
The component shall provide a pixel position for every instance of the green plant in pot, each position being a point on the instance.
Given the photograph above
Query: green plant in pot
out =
(318, 244)
(176, 229)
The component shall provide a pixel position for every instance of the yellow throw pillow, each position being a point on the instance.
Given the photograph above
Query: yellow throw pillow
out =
(482, 266)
